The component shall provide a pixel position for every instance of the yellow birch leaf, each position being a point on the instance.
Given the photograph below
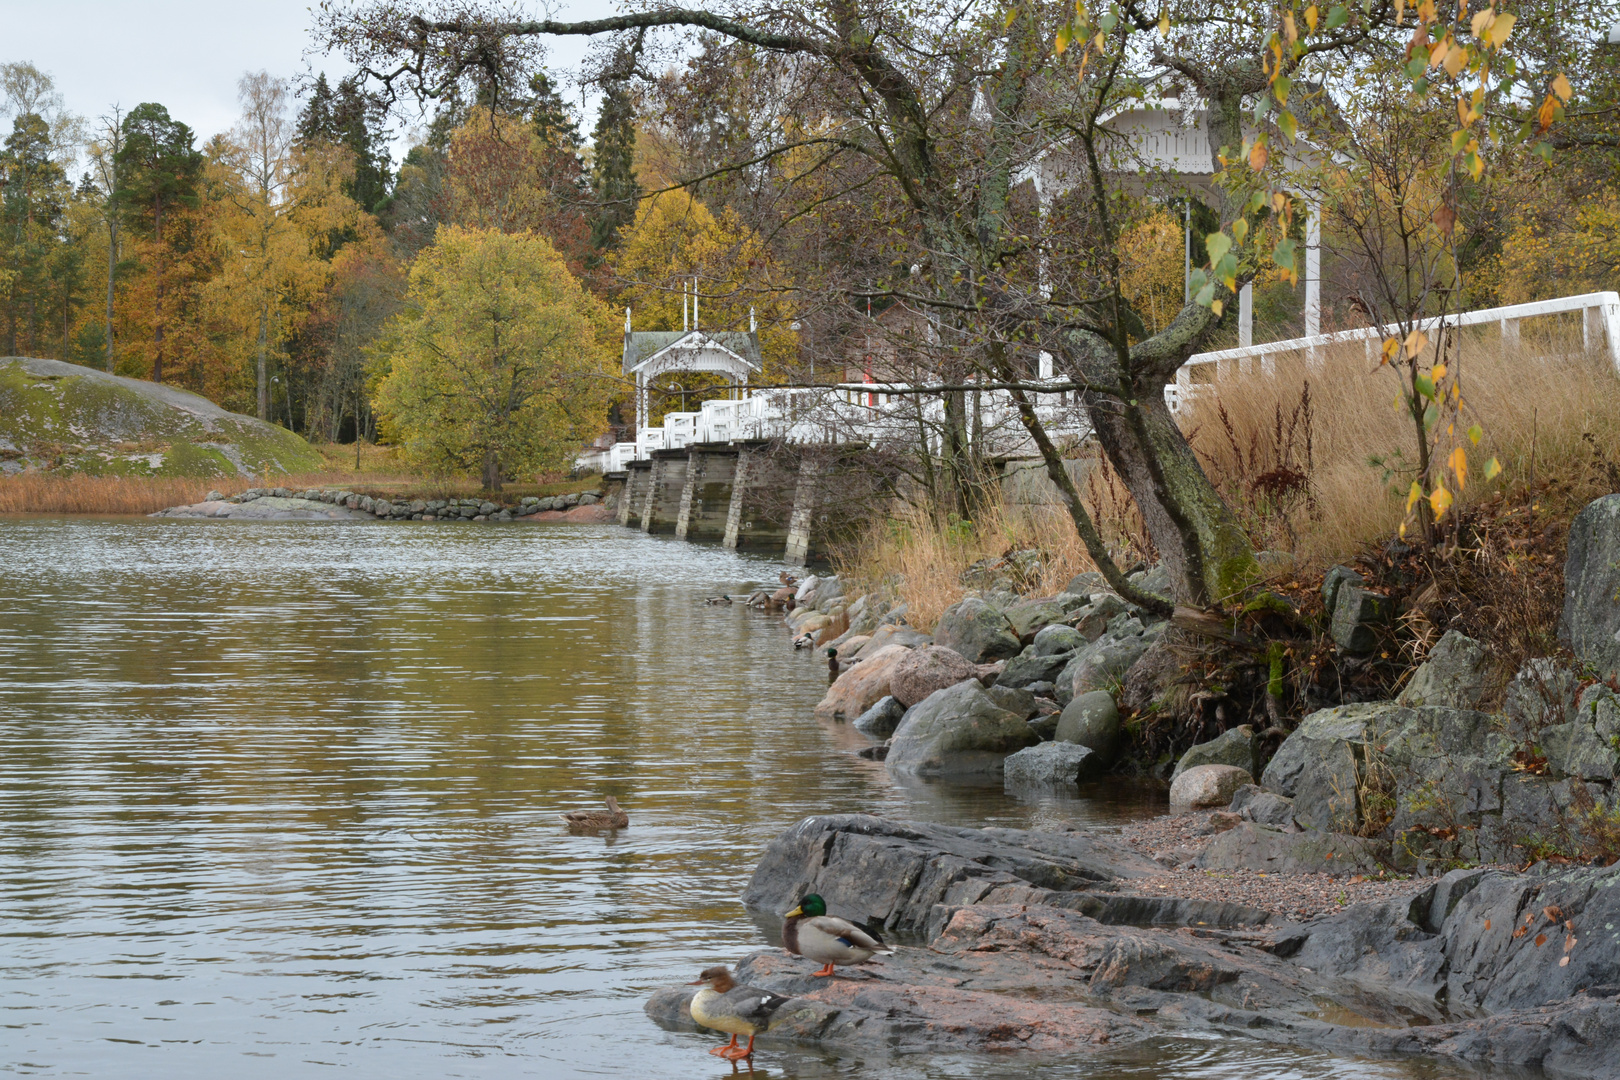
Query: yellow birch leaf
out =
(1391, 347)
(1561, 87)
(1400, 12)
(1290, 31)
(1064, 35)
(1438, 372)
(1413, 496)
(1426, 11)
(1437, 54)
(1215, 306)
(1501, 27)
(1440, 501)
(1493, 469)
(1414, 343)
(1164, 24)
(1310, 18)
(1480, 21)
(1456, 57)
(1459, 466)
(1257, 157)
(1544, 115)
(1475, 434)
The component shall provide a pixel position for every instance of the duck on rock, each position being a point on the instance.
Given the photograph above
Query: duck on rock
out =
(736, 1010)
(810, 932)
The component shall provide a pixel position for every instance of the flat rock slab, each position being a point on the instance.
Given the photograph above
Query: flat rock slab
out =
(267, 508)
(595, 513)
(869, 868)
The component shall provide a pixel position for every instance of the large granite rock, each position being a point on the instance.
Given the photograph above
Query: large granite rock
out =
(861, 685)
(1476, 967)
(1053, 640)
(977, 631)
(1031, 666)
(881, 719)
(926, 670)
(1104, 663)
(892, 634)
(1590, 625)
(1358, 616)
(958, 731)
(1055, 764)
(1587, 747)
(1204, 786)
(1030, 616)
(1232, 747)
(1454, 675)
(894, 873)
(1091, 720)
(267, 508)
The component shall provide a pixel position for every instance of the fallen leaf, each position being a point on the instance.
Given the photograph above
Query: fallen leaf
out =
(1553, 912)
(1519, 933)
(1569, 943)
(1487, 924)
(1563, 961)
(1541, 939)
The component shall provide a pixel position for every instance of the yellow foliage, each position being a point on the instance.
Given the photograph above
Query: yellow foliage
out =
(498, 367)
(1151, 263)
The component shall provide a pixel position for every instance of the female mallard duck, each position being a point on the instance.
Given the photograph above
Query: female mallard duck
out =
(738, 1010)
(813, 934)
(611, 818)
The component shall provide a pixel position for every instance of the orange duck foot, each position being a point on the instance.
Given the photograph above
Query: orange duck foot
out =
(824, 972)
(737, 1053)
(726, 1051)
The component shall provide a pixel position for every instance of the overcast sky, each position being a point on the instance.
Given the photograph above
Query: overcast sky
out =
(188, 54)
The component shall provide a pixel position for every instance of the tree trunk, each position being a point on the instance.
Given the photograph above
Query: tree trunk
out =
(112, 268)
(492, 471)
(264, 383)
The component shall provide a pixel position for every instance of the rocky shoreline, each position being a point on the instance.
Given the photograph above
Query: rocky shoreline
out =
(1059, 942)
(1386, 877)
(319, 504)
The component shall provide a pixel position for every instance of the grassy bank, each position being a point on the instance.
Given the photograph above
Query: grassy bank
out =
(1316, 463)
(380, 472)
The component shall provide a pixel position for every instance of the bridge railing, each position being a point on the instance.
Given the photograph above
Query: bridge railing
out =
(1600, 329)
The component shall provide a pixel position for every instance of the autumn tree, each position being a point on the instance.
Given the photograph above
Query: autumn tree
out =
(497, 366)
(158, 172)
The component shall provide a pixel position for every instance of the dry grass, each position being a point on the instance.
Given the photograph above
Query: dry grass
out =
(925, 558)
(50, 493)
(1546, 407)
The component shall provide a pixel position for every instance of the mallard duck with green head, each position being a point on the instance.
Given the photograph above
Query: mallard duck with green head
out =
(737, 1010)
(810, 932)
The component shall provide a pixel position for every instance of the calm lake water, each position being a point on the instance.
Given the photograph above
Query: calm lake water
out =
(281, 800)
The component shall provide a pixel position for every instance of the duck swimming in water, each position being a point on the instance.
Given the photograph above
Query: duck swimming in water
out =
(611, 818)
(813, 934)
(736, 1010)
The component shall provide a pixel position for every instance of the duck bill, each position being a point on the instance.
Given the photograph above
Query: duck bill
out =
(794, 913)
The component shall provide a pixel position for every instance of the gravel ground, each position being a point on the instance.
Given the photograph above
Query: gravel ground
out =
(1175, 839)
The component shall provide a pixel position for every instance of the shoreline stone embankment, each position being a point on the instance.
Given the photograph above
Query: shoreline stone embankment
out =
(1349, 888)
(325, 504)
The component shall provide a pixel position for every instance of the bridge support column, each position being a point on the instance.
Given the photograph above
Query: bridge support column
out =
(706, 502)
(759, 510)
(664, 488)
(808, 494)
(633, 499)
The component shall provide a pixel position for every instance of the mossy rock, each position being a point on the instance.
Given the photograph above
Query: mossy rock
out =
(66, 418)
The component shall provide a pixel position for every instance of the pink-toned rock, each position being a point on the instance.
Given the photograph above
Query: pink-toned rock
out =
(927, 670)
(1207, 785)
(595, 513)
(861, 685)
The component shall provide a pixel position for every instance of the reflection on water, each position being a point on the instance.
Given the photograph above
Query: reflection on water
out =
(277, 798)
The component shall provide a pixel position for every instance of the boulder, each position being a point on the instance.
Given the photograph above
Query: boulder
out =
(925, 670)
(1586, 747)
(1231, 747)
(1091, 720)
(1054, 763)
(1030, 666)
(1543, 693)
(881, 719)
(862, 685)
(1320, 765)
(1204, 786)
(1155, 582)
(1087, 583)
(1105, 662)
(977, 631)
(1092, 621)
(957, 731)
(1021, 702)
(849, 646)
(1590, 624)
(1454, 675)
(891, 634)
(1031, 616)
(1262, 806)
(1052, 640)
(1251, 846)
(1357, 616)
(1332, 580)
(894, 873)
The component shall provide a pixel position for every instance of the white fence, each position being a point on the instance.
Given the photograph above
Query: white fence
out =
(875, 413)
(1600, 328)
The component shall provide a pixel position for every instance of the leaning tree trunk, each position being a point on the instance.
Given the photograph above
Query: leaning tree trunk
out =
(1209, 556)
